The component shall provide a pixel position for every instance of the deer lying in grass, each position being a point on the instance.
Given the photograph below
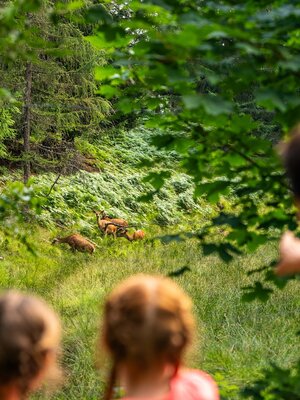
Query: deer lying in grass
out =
(106, 226)
(118, 221)
(77, 242)
(136, 235)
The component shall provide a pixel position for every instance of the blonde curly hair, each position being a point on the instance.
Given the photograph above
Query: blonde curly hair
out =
(148, 322)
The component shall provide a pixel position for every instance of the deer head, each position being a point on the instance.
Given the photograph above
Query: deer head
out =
(122, 232)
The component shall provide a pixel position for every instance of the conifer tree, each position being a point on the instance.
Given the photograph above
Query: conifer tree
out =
(54, 83)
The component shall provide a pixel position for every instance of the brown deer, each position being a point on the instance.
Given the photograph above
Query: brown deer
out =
(136, 235)
(118, 221)
(105, 226)
(77, 242)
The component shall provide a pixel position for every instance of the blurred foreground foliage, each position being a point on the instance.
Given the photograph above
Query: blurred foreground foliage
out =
(213, 78)
(216, 81)
(278, 383)
(18, 206)
(209, 75)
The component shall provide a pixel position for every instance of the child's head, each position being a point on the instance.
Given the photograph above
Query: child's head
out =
(29, 341)
(148, 324)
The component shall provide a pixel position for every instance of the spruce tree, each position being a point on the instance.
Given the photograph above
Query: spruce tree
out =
(54, 84)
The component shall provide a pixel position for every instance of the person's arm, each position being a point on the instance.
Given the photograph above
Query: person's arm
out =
(289, 249)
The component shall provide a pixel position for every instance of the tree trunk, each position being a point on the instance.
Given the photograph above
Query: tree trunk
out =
(26, 119)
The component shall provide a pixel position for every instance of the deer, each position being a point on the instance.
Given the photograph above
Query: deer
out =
(118, 221)
(136, 235)
(77, 242)
(106, 226)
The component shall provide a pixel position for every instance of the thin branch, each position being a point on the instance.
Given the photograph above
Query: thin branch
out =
(55, 182)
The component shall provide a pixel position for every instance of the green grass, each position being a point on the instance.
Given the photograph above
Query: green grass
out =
(234, 339)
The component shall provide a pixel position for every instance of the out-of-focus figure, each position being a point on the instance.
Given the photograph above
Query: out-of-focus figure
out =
(148, 325)
(29, 343)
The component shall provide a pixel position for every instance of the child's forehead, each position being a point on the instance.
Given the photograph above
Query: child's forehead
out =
(144, 282)
(152, 293)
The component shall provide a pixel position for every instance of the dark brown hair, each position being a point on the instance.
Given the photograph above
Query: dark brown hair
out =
(291, 156)
(29, 330)
(147, 323)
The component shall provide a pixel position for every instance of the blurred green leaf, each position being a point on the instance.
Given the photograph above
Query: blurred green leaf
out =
(157, 179)
(98, 13)
(212, 104)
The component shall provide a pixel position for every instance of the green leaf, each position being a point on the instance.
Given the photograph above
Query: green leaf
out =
(75, 5)
(213, 190)
(270, 99)
(164, 140)
(292, 64)
(157, 179)
(146, 198)
(212, 104)
(108, 91)
(101, 42)
(192, 101)
(241, 123)
(235, 160)
(106, 73)
(228, 219)
(126, 105)
(98, 13)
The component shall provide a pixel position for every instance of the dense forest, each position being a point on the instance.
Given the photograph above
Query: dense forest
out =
(172, 114)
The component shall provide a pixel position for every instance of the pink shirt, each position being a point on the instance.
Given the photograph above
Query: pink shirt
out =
(189, 384)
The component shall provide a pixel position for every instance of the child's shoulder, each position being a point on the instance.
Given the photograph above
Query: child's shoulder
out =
(192, 384)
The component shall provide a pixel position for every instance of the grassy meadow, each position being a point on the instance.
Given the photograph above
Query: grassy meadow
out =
(235, 340)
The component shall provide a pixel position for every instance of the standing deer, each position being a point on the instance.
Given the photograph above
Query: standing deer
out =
(105, 226)
(118, 221)
(77, 242)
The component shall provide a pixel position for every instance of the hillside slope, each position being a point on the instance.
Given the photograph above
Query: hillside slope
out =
(118, 187)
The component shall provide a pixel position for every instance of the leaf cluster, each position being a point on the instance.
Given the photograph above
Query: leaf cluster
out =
(215, 78)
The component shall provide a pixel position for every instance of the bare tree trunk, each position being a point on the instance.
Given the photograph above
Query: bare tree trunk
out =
(26, 119)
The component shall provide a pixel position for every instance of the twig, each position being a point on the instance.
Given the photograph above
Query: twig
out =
(55, 182)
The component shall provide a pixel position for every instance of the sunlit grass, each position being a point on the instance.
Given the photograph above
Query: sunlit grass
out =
(235, 339)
